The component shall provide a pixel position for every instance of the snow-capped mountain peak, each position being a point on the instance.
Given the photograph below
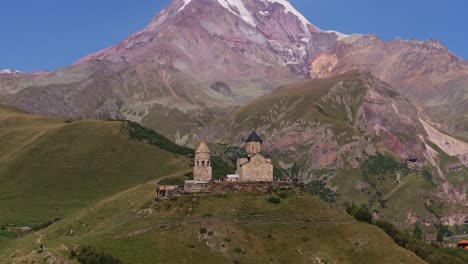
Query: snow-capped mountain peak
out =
(9, 71)
(288, 8)
(238, 8)
(232, 35)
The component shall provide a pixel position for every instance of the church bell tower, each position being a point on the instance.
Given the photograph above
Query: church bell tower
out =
(253, 144)
(202, 170)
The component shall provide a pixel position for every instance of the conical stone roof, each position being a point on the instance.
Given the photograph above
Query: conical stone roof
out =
(202, 148)
(254, 138)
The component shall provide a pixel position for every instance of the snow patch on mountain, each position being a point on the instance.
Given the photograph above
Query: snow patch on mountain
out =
(186, 2)
(9, 71)
(236, 7)
(288, 8)
(340, 35)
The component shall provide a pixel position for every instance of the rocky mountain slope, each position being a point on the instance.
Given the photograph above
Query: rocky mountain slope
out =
(192, 71)
(147, 92)
(241, 40)
(427, 73)
(332, 129)
(331, 116)
(250, 47)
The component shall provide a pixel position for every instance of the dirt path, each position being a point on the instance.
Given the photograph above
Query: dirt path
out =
(40, 237)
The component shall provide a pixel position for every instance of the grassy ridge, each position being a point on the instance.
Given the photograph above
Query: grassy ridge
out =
(50, 167)
(304, 101)
(141, 133)
(224, 228)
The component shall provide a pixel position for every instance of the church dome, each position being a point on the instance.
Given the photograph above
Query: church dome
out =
(202, 148)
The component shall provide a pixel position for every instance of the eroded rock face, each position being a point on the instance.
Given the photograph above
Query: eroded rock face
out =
(425, 72)
(329, 124)
(395, 120)
(455, 219)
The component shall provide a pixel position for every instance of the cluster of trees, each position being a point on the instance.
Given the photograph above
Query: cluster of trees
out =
(138, 132)
(220, 168)
(431, 253)
(360, 213)
(90, 255)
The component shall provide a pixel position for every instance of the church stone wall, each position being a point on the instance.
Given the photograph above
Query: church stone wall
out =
(257, 169)
(253, 147)
(202, 173)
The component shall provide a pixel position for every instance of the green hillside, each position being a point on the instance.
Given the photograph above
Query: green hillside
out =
(306, 101)
(219, 228)
(355, 134)
(51, 167)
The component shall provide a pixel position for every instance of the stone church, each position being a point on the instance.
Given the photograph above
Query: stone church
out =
(254, 167)
(202, 171)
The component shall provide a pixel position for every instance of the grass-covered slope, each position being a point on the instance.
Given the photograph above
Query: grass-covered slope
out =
(50, 167)
(330, 129)
(228, 228)
(305, 101)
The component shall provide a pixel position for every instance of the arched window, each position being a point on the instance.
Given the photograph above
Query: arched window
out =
(198, 163)
(203, 163)
(208, 163)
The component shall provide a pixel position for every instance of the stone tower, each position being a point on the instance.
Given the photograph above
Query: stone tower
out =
(253, 144)
(202, 170)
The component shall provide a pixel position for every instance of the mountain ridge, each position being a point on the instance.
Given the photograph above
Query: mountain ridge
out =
(194, 67)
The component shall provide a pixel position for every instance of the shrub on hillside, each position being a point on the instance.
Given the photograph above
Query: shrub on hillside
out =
(42, 225)
(90, 255)
(189, 175)
(427, 176)
(237, 250)
(377, 166)
(275, 200)
(417, 232)
(320, 189)
(359, 213)
(171, 181)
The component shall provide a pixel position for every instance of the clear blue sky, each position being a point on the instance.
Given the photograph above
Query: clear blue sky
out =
(47, 34)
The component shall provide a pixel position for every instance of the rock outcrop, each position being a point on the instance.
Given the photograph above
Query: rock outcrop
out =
(427, 73)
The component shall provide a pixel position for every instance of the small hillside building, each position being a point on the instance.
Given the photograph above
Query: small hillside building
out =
(254, 166)
(202, 171)
(165, 191)
(463, 244)
(196, 186)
